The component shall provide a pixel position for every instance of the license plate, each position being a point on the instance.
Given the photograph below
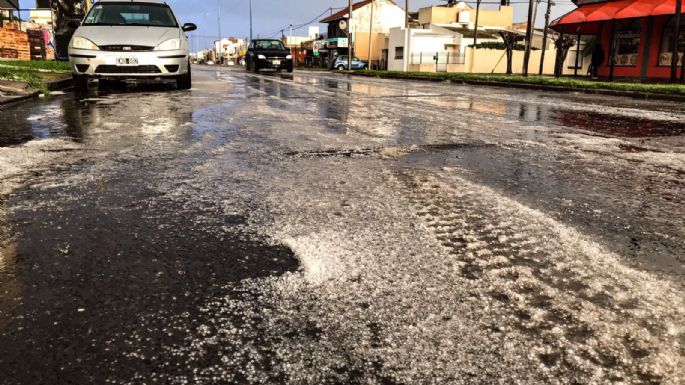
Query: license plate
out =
(127, 61)
(277, 62)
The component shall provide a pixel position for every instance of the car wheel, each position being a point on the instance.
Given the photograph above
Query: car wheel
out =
(255, 68)
(185, 82)
(341, 68)
(80, 82)
(290, 69)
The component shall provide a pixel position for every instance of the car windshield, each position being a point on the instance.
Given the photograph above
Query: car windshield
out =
(269, 44)
(138, 14)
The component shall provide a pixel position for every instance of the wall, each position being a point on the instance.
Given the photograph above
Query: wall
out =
(361, 45)
(386, 15)
(419, 40)
(438, 15)
(14, 41)
(396, 39)
(502, 17)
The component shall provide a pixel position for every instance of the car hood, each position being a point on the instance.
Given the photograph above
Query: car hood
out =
(127, 35)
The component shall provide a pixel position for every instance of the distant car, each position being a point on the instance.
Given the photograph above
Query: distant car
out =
(122, 39)
(268, 54)
(340, 63)
(210, 63)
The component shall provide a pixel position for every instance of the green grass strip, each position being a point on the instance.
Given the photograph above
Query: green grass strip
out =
(32, 78)
(59, 66)
(579, 84)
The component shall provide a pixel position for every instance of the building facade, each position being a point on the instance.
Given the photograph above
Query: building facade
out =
(370, 25)
(637, 35)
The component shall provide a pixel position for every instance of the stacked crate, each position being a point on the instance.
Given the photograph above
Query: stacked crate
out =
(37, 43)
(14, 44)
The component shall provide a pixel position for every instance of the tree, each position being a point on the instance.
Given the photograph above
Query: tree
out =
(510, 39)
(562, 43)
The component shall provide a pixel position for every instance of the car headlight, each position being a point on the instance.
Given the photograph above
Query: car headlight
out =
(261, 57)
(169, 45)
(82, 43)
(289, 57)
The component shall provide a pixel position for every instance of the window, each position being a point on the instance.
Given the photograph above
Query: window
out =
(399, 53)
(666, 52)
(627, 43)
(269, 44)
(573, 52)
(145, 14)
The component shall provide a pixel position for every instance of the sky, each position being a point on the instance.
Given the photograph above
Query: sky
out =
(270, 16)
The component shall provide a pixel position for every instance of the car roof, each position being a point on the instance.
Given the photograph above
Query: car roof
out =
(267, 40)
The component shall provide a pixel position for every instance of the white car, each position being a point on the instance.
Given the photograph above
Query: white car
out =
(125, 39)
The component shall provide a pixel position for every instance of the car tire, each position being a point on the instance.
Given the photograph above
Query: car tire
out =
(80, 82)
(341, 68)
(290, 70)
(185, 82)
(255, 68)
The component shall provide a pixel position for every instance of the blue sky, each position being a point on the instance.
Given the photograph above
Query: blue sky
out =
(272, 15)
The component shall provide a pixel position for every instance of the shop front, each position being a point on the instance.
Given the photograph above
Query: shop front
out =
(637, 35)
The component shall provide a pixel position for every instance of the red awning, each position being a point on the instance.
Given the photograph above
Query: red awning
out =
(608, 10)
(585, 19)
(667, 7)
(576, 16)
(640, 8)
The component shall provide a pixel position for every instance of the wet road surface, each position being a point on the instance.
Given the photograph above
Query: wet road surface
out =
(311, 228)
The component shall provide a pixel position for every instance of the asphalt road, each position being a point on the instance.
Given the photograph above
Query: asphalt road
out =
(311, 228)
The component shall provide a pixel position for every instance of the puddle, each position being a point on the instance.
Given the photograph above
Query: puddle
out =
(615, 125)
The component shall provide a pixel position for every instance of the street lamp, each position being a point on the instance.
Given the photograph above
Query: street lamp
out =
(250, 20)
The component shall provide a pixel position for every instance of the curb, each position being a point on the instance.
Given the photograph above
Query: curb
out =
(541, 87)
(59, 85)
(22, 98)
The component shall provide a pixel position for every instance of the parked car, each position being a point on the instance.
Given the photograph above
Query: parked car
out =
(340, 63)
(130, 39)
(268, 54)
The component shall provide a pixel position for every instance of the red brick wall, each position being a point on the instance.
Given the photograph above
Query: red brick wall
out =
(14, 42)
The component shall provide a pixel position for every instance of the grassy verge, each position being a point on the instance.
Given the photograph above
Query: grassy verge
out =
(34, 79)
(56, 66)
(579, 84)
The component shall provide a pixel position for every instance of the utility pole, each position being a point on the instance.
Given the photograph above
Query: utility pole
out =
(350, 46)
(475, 27)
(373, 5)
(406, 17)
(250, 20)
(291, 30)
(529, 37)
(676, 42)
(221, 48)
(544, 36)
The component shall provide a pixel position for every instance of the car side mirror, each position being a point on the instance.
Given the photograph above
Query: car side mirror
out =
(188, 27)
(74, 24)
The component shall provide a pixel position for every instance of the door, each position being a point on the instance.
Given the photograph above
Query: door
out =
(441, 60)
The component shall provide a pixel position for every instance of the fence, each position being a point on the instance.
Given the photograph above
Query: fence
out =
(438, 58)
